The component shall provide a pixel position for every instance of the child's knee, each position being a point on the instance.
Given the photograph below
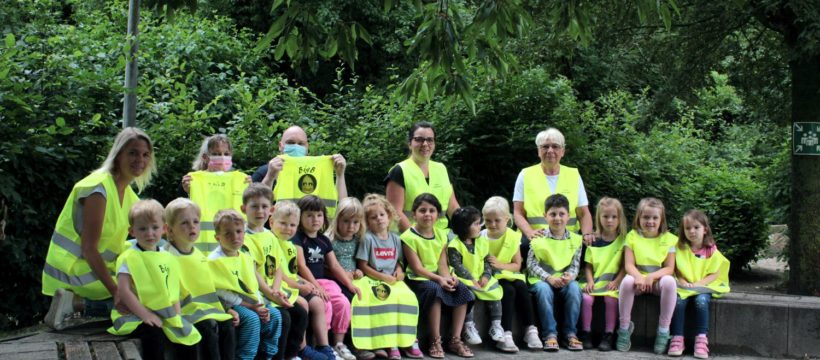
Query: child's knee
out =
(667, 282)
(702, 302)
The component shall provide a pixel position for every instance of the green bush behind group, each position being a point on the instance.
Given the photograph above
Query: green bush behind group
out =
(61, 81)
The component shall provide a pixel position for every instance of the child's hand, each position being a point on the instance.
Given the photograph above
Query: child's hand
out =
(281, 299)
(482, 282)
(494, 262)
(153, 320)
(643, 284)
(589, 287)
(556, 281)
(235, 315)
(186, 183)
(685, 283)
(355, 289)
(613, 285)
(567, 277)
(119, 305)
(445, 283)
(357, 274)
(391, 279)
(399, 275)
(263, 312)
(306, 288)
(322, 293)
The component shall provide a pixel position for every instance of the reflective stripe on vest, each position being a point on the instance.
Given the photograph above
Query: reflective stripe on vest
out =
(214, 191)
(307, 175)
(474, 263)
(554, 256)
(200, 301)
(428, 250)
(694, 269)
(606, 262)
(236, 274)
(386, 316)
(65, 267)
(650, 253)
(504, 249)
(537, 189)
(264, 249)
(415, 184)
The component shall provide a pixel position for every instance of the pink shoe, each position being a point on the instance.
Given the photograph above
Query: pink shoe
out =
(413, 351)
(676, 346)
(701, 347)
(393, 354)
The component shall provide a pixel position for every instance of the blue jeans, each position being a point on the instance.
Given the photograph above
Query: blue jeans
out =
(544, 300)
(701, 314)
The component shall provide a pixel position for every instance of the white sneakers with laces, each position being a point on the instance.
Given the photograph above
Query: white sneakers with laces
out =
(506, 344)
(496, 331)
(343, 352)
(470, 334)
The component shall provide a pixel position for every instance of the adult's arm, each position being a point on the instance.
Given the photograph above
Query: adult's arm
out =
(339, 165)
(452, 204)
(520, 219)
(395, 195)
(585, 217)
(274, 166)
(93, 218)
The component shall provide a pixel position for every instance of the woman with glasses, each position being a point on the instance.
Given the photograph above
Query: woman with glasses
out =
(417, 175)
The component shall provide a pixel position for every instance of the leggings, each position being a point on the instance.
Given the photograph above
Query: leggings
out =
(611, 313)
(218, 339)
(665, 288)
(154, 342)
(495, 311)
(251, 329)
(337, 311)
(516, 299)
(294, 325)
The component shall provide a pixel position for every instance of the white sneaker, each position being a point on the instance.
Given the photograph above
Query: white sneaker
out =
(506, 344)
(470, 334)
(61, 308)
(496, 332)
(343, 352)
(532, 340)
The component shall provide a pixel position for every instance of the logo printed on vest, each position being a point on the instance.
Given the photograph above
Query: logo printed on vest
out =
(292, 266)
(270, 266)
(307, 183)
(165, 270)
(381, 291)
(384, 253)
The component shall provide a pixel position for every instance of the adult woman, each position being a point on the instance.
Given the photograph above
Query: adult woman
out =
(417, 175)
(92, 228)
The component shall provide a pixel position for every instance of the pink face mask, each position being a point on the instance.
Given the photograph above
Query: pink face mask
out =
(219, 163)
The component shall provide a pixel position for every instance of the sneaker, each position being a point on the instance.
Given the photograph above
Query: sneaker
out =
(327, 351)
(62, 308)
(507, 344)
(661, 342)
(573, 344)
(343, 352)
(394, 354)
(531, 338)
(470, 334)
(586, 339)
(702, 347)
(497, 332)
(413, 351)
(624, 342)
(551, 343)
(380, 353)
(309, 353)
(606, 342)
(365, 355)
(676, 346)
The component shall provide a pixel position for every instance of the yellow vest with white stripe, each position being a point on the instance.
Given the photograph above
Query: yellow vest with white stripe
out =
(199, 301)
(650, 253)
(386, 316)
(694, 269)
(474, 263)
(504, 249)
(428, 250)
(236, 274)
(214, 191)
(555, 256)
(155, 275)
(415, 184)
(537, 190)
(307, 175)
(65, 267)
(606, 262)
(264, 249)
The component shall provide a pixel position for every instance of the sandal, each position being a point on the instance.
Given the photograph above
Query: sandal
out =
(551, 344)
(436, 351)
(456, 346)
(573, 344)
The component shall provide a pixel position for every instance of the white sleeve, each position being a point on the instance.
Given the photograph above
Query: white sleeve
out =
(582, 193)
(518, 192)
(228, 297)
(124, 269)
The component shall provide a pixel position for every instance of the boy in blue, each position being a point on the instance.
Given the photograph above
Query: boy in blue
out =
(553, 263)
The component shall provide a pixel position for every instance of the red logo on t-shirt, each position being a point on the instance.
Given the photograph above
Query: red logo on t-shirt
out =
(384, 253)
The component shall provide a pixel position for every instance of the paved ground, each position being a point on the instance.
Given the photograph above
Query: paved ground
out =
(486, 354)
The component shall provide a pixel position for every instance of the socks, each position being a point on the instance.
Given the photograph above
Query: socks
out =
(663, 330)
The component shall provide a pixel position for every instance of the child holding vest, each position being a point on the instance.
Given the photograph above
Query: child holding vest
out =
(603, 271)
(345, 232)
(553, 263)
(702, 273)
(237, 286)
(200, 305)
(505, 259)
(649, 261)
(379, 256)
(425, 248)
(149, 279)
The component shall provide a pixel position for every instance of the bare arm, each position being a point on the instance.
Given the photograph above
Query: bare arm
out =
(452, 204)
(339, 164)
(133, 303)
(414, 263)
(629, 263)
(514, 265)
(372, 273)
(338, 272)
(585, 218)
(304, 271)
(93, 218)
(708, 279)
(667, 269)
(520, 218)
(395, 195)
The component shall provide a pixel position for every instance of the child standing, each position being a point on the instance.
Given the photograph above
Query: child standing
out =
(553, 263)
(505, 259)
(153, 305)
(200, 305)
(702, 273)
(345, 232)
(649, 261)
(237, 286)
(603, 271)
(425, 248)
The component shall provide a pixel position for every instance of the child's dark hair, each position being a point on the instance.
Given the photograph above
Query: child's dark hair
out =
(312, 203)
(462, 219)
(426, 198)
(256, 190)
(699, 216)
(556, 201)
(419, 125)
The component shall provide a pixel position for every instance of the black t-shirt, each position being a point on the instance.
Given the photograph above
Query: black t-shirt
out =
(260, 173)
(314, 250)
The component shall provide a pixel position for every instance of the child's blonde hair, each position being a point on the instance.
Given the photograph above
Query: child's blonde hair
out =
(497, 205)
(285, 208)
(699, 216)
(372, 200)
(650, 202)
(177, 206)
(148, 209)
(208, 144)
(227, 215)
(611, 202)
(123, 138)
(348, 207)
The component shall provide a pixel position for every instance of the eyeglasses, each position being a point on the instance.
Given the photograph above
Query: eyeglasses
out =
(546, 147)
(421, 139)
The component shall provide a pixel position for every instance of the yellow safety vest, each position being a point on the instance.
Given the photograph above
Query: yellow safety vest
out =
(307, 175)
(428, 250)
(156, 279)
(214, 191)
(474, 263)
(65, 267)
(236, 274)
(650, 253)
(606, 263)
(415, 184)
(694, 269)
(386, 316)
(264, 248)
(537, 190)
(555, 256)
(504, 249)
(199, 301)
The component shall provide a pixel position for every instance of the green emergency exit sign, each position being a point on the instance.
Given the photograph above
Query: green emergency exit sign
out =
(806, 138)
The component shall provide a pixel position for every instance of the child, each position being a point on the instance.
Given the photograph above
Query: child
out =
(505, 259)
(213, 186)
(262, 246)
(469, 258)
(702, 273)
(553, 262)
(425, 248)
(649, 261)
(152, 293)
(379, 256)
(603, 271)
(200, 305)
(237, 286)
(312, 268)
(345, 231)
